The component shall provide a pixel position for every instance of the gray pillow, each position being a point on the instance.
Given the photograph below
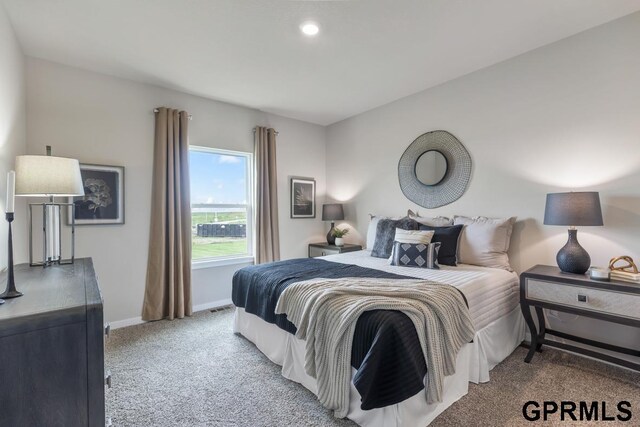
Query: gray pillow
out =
(436, 221)
(386, 232)
(373, 226)
(485, 241)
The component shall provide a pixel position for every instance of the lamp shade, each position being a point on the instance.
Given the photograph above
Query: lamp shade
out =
(332, 212)
(573, 209)
(41, 176)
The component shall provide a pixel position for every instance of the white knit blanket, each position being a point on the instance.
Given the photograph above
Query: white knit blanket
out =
(325, 312)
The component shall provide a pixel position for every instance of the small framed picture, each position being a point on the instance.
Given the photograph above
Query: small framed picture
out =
(103, 200)
(303, 197)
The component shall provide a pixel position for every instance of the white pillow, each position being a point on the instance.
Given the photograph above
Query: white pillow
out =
(438, 221)
(412, 236)
(485, 241)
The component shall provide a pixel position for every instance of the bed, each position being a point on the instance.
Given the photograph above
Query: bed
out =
(492, 297)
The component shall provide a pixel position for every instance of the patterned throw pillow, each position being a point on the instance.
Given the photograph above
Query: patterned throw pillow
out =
(416, 255)
(411, 236)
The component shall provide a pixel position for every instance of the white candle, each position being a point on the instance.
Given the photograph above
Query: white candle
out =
(11, 191)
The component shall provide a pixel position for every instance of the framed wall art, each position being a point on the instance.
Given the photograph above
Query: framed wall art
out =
(303, 197)
(103, 200)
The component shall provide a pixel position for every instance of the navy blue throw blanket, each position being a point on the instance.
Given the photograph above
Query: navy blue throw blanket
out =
(386, 350)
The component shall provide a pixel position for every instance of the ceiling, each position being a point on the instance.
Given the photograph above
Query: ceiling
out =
(251, 52)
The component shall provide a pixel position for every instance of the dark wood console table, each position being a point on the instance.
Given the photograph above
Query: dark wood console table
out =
(614, 301)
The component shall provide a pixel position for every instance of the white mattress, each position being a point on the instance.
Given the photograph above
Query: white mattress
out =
(490, 292)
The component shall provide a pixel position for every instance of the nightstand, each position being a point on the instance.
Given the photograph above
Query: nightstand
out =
(614, 301)
(322, 249)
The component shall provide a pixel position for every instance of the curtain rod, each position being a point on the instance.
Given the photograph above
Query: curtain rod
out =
(155, 110)
(277, 133)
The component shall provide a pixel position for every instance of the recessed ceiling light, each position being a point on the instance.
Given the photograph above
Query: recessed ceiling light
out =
(309, 28)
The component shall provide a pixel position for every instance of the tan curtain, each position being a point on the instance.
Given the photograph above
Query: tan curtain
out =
(267, 234)
(168, 288)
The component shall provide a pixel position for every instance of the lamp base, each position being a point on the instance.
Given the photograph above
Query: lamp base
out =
(572, 258)
(10, 294)
(331, 239)
(52, 242)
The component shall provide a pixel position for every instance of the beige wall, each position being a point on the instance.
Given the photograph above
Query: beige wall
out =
(563, 117)
(106, 120)
(12, 133)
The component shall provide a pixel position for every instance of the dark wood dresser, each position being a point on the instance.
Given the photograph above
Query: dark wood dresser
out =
(52, 348)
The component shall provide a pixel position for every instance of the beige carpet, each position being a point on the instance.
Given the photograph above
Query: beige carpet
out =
(552, 375)
(196, 372)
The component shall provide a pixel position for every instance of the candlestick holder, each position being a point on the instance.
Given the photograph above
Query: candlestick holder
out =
(11, 291)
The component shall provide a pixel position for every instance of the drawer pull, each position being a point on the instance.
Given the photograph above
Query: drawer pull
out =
(107, 330)
(107, 379)
(582, 298)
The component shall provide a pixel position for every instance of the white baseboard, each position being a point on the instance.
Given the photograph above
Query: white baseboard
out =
(126, 322)
(212, 304)
(200, 307)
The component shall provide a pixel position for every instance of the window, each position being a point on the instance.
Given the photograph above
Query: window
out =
(221, 211)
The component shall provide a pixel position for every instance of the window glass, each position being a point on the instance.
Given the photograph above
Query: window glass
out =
(220, 203)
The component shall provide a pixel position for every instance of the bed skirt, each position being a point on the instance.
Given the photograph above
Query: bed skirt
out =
(490, 346)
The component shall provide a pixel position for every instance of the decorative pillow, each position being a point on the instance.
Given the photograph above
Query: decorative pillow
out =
(485, 241)
(416, 255)
(438, 221)
(373, 227)
(386, 232)
(448, 236)
(411, 236)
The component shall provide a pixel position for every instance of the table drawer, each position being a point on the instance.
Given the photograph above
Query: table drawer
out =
(611, 302)
(316, 252)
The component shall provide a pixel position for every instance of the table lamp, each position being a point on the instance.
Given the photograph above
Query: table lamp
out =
(573, 209)
(332, 212)
(48, 176)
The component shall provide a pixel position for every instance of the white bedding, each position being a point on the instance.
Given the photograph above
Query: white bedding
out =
(490, 346)
(490, 292)
(493, 299)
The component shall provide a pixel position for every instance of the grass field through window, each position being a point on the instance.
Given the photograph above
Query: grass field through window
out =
(210, 247)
